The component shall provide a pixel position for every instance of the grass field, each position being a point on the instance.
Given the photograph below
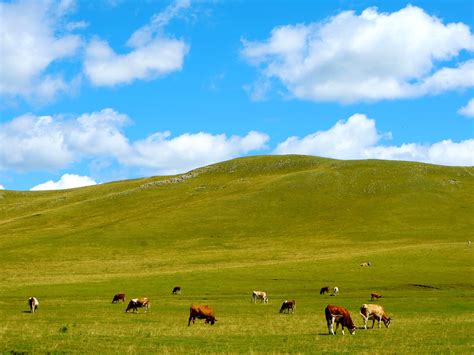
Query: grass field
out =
(287, 225)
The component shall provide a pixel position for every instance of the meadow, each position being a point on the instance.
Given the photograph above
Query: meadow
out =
(288, 225)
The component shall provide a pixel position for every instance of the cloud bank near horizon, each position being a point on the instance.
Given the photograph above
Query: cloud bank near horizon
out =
(53, 143)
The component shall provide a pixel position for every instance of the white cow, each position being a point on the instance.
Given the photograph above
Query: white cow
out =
(259, 295)
(365, 264)
(469, 243)
(373, 312)
(335, 291)
(33, 303)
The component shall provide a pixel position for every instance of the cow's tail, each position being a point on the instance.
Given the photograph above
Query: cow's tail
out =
(328, 314)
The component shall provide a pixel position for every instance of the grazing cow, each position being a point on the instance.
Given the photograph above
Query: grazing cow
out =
(33, 303)
(365, 264)
(288, 305)
(375, 296)
(259, 295)
(374, 311)
(136, 303)
(469, 243)
(339, 315)
(336, 290)
(119, 297)
(324, 290)
(176, 290)
(201, 312)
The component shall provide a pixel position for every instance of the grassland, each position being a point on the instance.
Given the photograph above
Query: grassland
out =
(288, 225)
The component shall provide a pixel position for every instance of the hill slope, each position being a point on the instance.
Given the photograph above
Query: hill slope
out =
(237, 207)
(279, 214)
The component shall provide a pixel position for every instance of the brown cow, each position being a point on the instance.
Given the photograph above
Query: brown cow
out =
(375, 296)
(288, 305)
(374, 312)
(136, 303)
(201, 312)
(339, 315)
(119, 297)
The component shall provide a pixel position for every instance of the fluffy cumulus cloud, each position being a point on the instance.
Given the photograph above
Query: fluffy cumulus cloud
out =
(67, 181)
(371, 56)
(34, 36)
(467, 110)
(171, 155)
(2, 187)
(32, 143)
(152, 54)
(358, 138)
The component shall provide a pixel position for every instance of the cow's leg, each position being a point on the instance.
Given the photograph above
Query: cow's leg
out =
(373, 322)
(342, 328)
(331, 325)
(189, 320)
(365, 320)
(379, 319)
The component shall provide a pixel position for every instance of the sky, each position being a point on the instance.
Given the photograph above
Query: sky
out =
(98, 91)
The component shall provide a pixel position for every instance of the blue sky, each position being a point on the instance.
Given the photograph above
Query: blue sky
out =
(96, 91)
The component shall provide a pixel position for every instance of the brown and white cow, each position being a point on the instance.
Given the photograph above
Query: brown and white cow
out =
(373, 312)
(201, 312)
(339, 315)
(375, 296)
(33, 303)
(259, 295)
(365, 264)
(136, 303)
(176, 290)
(119, 297)
(288, 305)
(324, 290)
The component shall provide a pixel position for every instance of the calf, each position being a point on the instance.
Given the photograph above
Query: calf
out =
(375, 296)
(119, 297)
(288, 305)
(259, 295)
(176, 290)
(374, 311)
(339, 315)
(324, 290)
(336, 290)
(136, 303)
(201, 312)
(33, 303)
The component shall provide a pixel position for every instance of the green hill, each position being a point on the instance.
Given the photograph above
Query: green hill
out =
(287, 224)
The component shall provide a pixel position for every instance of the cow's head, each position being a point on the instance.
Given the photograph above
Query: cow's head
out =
(352, 330)
(211, 320)
(387, 322)
(266, 299)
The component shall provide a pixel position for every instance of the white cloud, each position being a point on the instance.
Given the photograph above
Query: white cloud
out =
(2, 187)
(153, 54)
(170, 155)
(357, 138)
(104, 67)
(67, 181)
(32, 38)
(371, 56)
(50, 143)
(145, 34)
(467, 110)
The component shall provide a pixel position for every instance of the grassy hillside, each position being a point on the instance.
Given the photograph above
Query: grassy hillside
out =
(285, 224)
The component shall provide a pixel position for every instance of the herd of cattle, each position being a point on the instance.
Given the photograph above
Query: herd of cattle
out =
(335, 315)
